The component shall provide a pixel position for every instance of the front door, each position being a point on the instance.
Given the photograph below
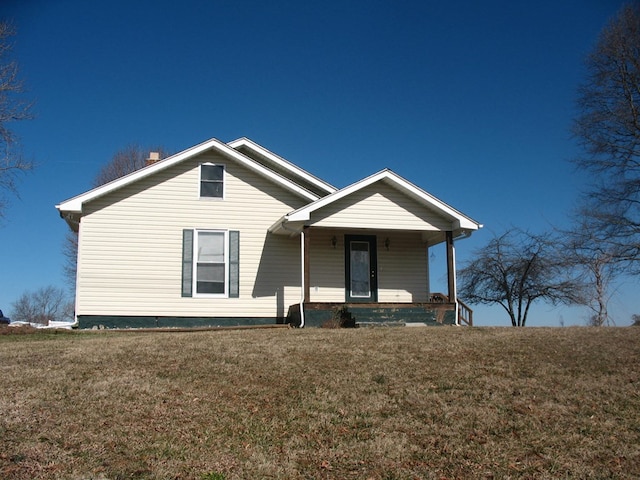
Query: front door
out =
(361, 268)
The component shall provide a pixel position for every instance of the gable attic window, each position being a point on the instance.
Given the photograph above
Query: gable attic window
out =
(211, 181)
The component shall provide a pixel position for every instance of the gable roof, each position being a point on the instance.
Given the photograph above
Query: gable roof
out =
(74, 205)
(293, 222)
(277, 163)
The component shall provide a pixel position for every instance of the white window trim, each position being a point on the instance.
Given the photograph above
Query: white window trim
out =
(224, 182)
(196, 240)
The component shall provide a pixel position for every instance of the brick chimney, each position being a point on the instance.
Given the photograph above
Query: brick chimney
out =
(153, 158)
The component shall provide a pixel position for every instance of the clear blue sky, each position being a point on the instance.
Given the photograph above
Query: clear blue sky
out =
(472, 101)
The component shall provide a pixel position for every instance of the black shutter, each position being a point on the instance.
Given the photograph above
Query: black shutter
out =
(187, 263)
(234, 264)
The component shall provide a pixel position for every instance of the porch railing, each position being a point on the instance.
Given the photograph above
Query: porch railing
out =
(465, 314)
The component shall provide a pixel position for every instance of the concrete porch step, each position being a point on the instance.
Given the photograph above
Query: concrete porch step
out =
(380, 324)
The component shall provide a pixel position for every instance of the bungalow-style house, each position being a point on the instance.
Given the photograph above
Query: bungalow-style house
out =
(233, 234)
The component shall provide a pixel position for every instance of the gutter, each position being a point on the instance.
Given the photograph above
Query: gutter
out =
(464, 234)
(302, 286)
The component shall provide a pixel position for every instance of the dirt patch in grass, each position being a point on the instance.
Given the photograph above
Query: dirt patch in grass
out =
(399, 403)
(17, 330)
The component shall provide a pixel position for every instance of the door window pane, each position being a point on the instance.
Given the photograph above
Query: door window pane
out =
(360, 267)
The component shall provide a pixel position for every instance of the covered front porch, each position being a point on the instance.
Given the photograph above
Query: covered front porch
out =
(383, 277)
(367, 247)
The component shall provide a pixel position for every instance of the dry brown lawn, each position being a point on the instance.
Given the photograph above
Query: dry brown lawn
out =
(386, 403)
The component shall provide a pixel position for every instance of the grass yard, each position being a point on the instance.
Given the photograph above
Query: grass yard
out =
(385, 403)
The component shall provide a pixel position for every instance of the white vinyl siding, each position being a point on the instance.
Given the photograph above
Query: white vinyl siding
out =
(402, 270)
(131, 245)
(381, 207)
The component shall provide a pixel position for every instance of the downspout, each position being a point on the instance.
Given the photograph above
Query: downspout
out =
(455, 280)
(302, 285)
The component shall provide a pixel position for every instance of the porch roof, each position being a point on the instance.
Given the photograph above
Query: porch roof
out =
(326, 211)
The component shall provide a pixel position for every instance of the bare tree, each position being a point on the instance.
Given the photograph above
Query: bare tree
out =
(595, 260)
(635, 320)
(45, 305)
(514, 270)
(608, 128)
(12, 108)
(123, 162)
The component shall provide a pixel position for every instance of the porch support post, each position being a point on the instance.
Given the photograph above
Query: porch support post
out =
(428, 275)
(451, 267)
(306, 264)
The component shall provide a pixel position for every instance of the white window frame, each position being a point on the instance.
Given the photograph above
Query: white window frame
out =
(224, 181)
(196, 241)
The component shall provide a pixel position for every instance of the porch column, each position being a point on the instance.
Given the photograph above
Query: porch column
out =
(428, 274)
(451, 267)
(306, 264)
